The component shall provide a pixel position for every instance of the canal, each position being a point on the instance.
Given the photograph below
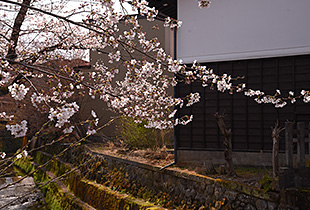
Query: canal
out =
(17, 195)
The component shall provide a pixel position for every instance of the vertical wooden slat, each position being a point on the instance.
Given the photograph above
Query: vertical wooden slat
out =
(218, 110)
(232, 141)
(294, 84)
(289, 143)
(262, 147)
(247, 108)
(204, 118)
(301, 143)
(191, 124)
(308, 138)
(278, 85)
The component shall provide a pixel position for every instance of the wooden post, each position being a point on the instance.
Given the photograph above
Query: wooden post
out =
(301, 143)
(308, 132)
(289, 144)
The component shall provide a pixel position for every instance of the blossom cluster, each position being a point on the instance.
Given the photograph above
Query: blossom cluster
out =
(92, 124)
(193, 98)
(306, 96)
(23, 153)
(114, 56)
(5, 77)
(251, 93)
(184, 120)
(5, 116)
(18, 130)
(68, 129)
(175, 66)
(63, 114)
(18, 91)
(37, 99)
(204, 4)
(5, 74)
(277, 100)
(150, 13)
(208, 77)
(172, 23)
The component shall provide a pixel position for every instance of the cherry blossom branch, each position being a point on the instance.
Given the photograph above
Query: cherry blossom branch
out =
(3, 162)
(144, 84)
(36, 90)
(57, 156)
(35, 67)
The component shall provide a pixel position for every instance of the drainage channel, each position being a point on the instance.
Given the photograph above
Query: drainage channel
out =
(19, 190)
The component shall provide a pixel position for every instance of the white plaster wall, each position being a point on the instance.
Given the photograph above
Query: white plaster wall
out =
(243, 29)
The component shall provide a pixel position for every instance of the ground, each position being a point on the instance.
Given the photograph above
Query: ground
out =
(252, 176)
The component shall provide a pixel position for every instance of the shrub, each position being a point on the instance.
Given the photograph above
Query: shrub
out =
(137, 136)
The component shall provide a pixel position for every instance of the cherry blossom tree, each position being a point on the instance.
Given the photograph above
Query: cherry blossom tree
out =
(43, 32)
(142, 94)
(35, 32)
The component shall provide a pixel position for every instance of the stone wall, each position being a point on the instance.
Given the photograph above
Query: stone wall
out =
(174, 189)
(73, 191)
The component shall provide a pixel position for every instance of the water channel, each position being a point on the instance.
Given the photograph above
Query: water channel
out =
(30, 202)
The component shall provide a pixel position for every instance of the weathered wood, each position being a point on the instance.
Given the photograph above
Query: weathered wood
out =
(227, 142)
(289, 144)
(308, 140)
(275, 134)
(301, 143)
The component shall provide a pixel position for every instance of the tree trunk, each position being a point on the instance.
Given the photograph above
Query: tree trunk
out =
(16, 29)
(227, 143)
(275, 148)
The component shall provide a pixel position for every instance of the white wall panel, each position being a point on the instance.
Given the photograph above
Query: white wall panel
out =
(243, 29)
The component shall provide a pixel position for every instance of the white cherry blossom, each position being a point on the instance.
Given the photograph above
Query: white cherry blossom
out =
(63, 114)
(18, 130)
(18, 91)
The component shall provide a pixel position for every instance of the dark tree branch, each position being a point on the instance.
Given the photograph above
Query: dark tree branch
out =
(39, 69)
(17, 28)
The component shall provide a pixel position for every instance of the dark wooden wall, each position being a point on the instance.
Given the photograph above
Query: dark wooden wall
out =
(250, 122)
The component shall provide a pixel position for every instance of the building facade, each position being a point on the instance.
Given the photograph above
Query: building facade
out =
(265, 41)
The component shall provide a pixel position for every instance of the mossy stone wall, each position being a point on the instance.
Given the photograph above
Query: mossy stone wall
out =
(95, 195)
(116, 183)
(173, 189)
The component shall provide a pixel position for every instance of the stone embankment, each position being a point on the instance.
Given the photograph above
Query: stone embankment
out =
(108, 182)
(73, 191)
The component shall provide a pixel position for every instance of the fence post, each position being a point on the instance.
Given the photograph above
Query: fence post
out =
(301, 143)
(289, 144)
(308, 134)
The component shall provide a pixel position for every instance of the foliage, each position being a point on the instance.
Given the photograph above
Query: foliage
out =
(136, 135)
(267, 183)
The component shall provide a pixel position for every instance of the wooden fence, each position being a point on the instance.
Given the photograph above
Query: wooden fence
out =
(299, 176)
(299, 136)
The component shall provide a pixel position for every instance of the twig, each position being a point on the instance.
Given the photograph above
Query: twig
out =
(42, 185)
